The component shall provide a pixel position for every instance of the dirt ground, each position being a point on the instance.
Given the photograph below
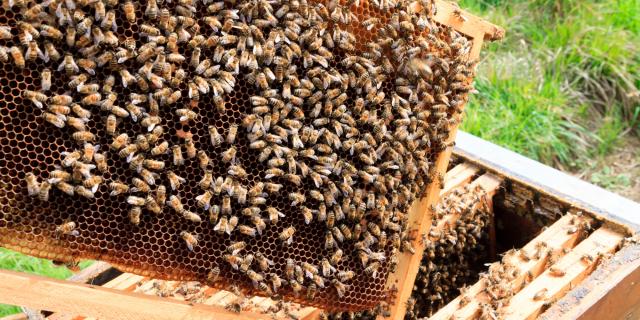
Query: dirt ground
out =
(619, 171)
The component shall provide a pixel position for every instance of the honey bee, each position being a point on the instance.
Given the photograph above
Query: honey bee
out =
(36, 97)
(45, 79)
(226, 201)
(58, 175)
(93, 182)
(214, 274)
(178, 159)
(5, 33)
(153, 164)
(286, 236)
(174, 180)
(120, 141)
(161, 148)
(222, 226)
(259, 223)
(118, 188)
(4, 54)
(186, 115)
(65, 187)
(556, 272)
(340, 287)
(69, 65)
(136, 201)
(263, 262)
(295, 286)
(67, 228)
(276, 281)
(140, 185)
(541, 294)
(247, 230)
(33, 186)
(80, 111)
(153, 206)
(231, 135)
(83, 136)
(193, 217)
(372, 269)
(83, 191)
(311, 291)
(272, 188)
(127, 78)
(175, 204)
(254, 276)
(134, 215)
(204, 199)
(237, 171)
(61, 99)
(216, 138)
(190, 148)
(50, 52)
(18, 57)
(336, 257)
(189, 239)
(329, 241)
(297, 198)
(129, 11)
(274, 214)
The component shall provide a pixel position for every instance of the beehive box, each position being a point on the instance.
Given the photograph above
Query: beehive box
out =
(407, 82)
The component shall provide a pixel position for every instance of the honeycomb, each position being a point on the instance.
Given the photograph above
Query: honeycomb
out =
(361, 97)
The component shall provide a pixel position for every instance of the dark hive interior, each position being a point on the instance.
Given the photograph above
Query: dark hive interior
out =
(341, 109)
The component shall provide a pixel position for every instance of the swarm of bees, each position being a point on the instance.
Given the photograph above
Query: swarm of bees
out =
(233, 121)
(453, 254)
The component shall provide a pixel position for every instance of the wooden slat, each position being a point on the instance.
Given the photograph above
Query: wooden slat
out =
(532, 268)
(612, 291)
(555, 236)
(489, 184)
(90, 272)
(523, 306)
(466, 23)
(458, 176)
(419, 217)
(74, 298)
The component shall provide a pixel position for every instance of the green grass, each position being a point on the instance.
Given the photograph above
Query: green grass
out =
(562, 87)
(19, 262)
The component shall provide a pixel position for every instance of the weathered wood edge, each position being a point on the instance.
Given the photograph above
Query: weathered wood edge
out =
(451, 14)
(612, 291)
(69, 297)
(623, 213)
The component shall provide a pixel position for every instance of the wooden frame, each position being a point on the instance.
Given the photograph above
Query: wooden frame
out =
(420, 213)
(71, 297)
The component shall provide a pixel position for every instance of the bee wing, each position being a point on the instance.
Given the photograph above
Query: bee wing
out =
(228, 229)
(218, 225)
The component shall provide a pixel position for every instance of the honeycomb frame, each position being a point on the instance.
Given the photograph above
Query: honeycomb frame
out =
(29, 225)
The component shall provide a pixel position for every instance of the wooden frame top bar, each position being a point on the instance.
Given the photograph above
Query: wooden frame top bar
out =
(449, 13)
(560, 185)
